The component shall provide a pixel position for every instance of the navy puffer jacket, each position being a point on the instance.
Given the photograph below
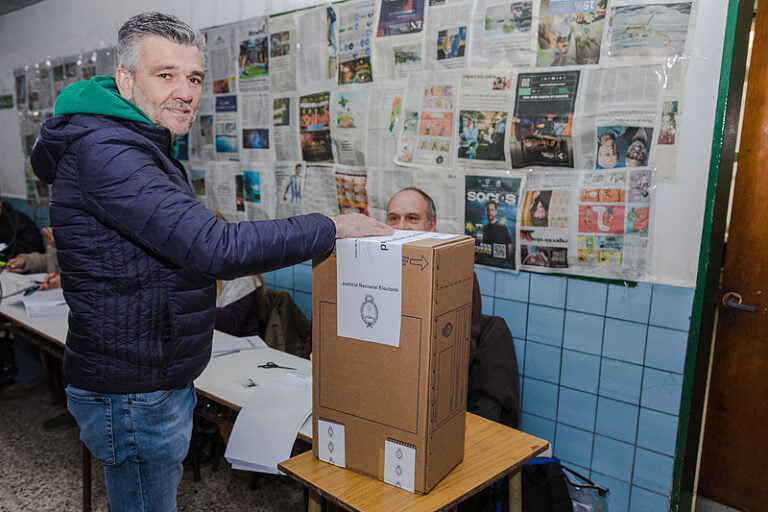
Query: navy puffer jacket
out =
(139, 254)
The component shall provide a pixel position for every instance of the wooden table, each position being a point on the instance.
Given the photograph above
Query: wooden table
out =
(491, 451)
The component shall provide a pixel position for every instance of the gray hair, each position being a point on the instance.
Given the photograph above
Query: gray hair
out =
(154, 23)
(431, 209)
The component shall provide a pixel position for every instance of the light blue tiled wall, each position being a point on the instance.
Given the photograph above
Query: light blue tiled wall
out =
(601, 368)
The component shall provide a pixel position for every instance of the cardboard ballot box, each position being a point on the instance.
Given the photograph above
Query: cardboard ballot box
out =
(397, 413)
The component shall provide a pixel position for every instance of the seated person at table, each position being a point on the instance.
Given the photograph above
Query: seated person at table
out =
(35, 262)
(493, 388)
(246, 307)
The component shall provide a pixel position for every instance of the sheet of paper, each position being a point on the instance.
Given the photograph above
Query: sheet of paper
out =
(45, 303)
(266, 427)
(225, 344)
(331, 443)
(369, 286)
(399, 465)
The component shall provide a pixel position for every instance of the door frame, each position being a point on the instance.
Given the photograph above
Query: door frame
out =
(707, 293)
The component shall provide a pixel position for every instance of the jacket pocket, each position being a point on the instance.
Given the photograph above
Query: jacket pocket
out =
(93, 413)
(165, 332)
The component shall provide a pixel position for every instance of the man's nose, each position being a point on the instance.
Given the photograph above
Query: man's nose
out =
(183, 91)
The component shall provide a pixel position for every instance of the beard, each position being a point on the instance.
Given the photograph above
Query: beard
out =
(155, 112)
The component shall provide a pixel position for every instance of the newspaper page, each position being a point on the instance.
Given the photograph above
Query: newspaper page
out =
(614, 216)
(400, 17)
(106, 61)
(223, 186)
(225, 127)
(222, 56)
(65, 71)
(626, 106)
(355, 32)
(501, 34)
(384, 117)
(317, 47)
(542, 127)
(382, 184)
(349, 124)
(40, 83)
(491, 210)
(253, 55)
(351, 190)
(484, 99)
(197, 171)
(398, 57)
(321, 192)
(446, 34)
(651, 31)
(428, 120)
(285, 126)
(444, 187)
(315, 127)
(282, 53)
(258, 191)
(545, 221)
(21, 82)
(200, 135)
(255, 124)
(570, 32)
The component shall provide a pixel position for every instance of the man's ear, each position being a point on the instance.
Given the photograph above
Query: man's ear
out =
(124, 79)
(433, 225)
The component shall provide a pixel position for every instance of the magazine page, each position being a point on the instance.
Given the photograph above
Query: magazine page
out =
(315, 126)
(483, 119)
(428, 120)
(545, 221)
(355, 32)
(614, 221)
(349, 124)
(446, 37)
(541, 132)
(491, 212)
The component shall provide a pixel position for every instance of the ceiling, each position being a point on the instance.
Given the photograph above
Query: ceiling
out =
(7, 6)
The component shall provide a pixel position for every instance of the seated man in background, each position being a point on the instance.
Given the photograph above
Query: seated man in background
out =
(494, 388)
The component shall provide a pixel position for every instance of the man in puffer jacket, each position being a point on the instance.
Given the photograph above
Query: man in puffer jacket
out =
(140, 256)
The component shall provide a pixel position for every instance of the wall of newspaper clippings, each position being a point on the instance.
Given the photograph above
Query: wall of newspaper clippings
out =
(565, 136)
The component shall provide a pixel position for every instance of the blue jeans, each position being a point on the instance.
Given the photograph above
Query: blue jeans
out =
(141, 439)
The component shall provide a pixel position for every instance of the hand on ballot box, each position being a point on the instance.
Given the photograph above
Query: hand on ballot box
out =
(357, 225)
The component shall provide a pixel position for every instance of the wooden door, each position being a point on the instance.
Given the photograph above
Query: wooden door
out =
(734, 459)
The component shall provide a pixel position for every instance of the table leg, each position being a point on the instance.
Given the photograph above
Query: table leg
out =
(86, 479)
(515, 492)
(314, 501)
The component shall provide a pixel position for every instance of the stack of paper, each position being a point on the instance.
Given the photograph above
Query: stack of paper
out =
(45, 303)
(266, 427)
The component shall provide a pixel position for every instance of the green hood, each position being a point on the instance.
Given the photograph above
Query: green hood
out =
(99, 95)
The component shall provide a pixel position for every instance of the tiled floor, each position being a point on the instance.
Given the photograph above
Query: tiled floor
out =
(40, 471)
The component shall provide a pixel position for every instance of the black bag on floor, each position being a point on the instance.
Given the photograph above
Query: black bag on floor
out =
(543, 486)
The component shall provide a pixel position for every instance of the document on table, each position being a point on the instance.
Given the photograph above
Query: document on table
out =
(45, 303)
(266, 428)
(225, 344)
